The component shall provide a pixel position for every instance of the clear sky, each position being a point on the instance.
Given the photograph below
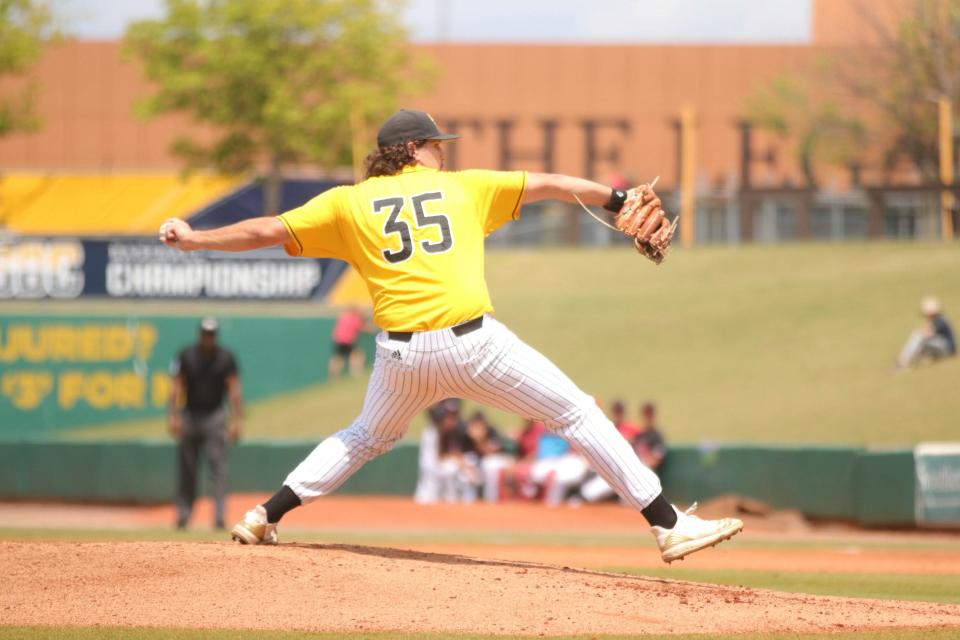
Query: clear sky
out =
(593, 21)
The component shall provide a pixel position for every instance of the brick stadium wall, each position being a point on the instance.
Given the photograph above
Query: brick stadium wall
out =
(603, 108)
(583, 110)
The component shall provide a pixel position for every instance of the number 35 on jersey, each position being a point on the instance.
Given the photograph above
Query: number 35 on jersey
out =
(415, 238)
(435, 223)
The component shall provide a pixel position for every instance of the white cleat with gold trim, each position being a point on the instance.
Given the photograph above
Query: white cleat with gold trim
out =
(254, 529)
(692, 534)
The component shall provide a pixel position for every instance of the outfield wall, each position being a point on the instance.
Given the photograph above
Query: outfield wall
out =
(143, 472)
(873, 488)
(62, 372)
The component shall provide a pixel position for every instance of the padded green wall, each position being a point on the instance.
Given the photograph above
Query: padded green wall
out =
(143, 472)
(61, 372)
(869, 487)
(885, 486)
(816, 480)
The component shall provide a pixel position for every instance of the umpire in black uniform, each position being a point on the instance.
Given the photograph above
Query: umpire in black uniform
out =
(204, 374)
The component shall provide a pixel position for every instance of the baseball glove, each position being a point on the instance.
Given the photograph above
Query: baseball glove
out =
(641, 218)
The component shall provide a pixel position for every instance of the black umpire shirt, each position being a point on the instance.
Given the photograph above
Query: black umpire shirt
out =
(205, 376)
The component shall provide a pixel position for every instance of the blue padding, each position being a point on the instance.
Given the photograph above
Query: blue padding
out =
(247, 202)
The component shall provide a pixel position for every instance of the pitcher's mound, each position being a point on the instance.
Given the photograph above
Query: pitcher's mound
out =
(346, 587)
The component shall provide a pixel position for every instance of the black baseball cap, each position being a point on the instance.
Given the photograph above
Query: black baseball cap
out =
(409, 124)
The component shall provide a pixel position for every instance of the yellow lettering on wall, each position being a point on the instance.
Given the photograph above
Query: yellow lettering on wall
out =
(88, 343)
(101, 389)
(62, 341)
(33, 349)
(77, 343)
(129, 390)
(117, 343)
(160, 389)
(69, 389)
(6, 351)
(98, 390)
(146, 340)
(23, 343)
(26, 389)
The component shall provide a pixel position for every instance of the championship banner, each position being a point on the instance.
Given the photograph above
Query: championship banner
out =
(938, 483)
(34, 268)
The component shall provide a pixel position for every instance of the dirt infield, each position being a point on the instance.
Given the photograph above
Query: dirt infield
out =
(850, 551)
(505, 569)
(350, 587)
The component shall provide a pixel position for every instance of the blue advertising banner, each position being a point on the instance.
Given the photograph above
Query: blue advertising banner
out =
(33, 268)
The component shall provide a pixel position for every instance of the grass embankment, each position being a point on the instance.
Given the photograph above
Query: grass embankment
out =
(763, 343)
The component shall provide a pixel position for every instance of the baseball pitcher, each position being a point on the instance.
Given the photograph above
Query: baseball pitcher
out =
(415, 234)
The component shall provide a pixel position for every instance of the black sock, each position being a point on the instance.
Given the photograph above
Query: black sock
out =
(280, 503)
(660, 513)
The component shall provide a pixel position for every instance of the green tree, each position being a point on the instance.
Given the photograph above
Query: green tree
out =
(278, 82)
(822, 133)
(911, 58)
(25, 26)
(908, 56)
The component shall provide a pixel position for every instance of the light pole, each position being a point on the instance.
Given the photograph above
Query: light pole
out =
(945, 108)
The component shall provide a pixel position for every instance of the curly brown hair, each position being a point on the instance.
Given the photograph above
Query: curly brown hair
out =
(389, 161)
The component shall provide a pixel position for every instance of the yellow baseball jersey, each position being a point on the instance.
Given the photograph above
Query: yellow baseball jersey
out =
(416, 239)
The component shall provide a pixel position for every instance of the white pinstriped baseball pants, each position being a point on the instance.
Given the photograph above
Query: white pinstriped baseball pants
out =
(492, 366)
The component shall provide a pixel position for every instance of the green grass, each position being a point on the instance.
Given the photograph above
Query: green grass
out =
(641, 541)
(885, 586)
(344, 536)
(788, 343)
(142, 633)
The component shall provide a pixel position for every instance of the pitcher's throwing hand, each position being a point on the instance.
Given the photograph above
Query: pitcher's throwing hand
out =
(173, 231)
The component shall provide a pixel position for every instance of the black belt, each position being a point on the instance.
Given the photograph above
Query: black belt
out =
(459, 330)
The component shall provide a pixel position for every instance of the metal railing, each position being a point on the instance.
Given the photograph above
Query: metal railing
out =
(786, 216)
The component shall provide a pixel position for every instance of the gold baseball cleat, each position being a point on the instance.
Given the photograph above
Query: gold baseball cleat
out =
(254, 528)
(692, 534)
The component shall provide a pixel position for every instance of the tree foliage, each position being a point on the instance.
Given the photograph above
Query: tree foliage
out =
(279, 82)
(908, 58)
(25, 26)
(916, 61)
(823, 134)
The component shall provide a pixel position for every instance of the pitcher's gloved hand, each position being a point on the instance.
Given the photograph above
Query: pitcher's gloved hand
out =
(641, 218)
